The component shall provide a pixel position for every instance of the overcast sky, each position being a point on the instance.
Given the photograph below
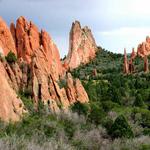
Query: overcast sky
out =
(115, 23)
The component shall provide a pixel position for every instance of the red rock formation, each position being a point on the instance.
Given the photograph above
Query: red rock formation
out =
(27, 37)
(133, 54)
(75, 91)
(126, 69)
(143, 50)
(146, 66)
(132, 57)
(6, 39)
(81, 94)
(52, 55)
(82, 46)
(11, 107)
(29, 40)
(94, 73)
(38, 68)
(13, 32)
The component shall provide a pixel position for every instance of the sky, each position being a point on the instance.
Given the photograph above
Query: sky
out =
(115, 24)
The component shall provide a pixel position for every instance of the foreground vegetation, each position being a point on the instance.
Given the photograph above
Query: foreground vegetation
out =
(116, 118)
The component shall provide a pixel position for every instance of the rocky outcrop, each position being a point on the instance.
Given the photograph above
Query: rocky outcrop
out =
(38, 70)
(144, 48)
(82, 46)
(143, 51)
(29, 39)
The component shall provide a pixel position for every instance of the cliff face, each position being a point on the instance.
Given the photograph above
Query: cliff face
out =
(38, 70)
(82, 46)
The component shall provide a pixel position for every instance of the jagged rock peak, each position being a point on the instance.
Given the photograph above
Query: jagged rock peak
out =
(82, 46)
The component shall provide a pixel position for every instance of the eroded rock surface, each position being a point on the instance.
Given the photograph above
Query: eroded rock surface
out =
(82, 46)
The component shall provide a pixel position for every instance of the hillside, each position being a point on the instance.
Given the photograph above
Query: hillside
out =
(115, 94)
(116, 117)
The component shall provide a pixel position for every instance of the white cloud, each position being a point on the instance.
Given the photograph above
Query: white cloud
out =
(127, 31)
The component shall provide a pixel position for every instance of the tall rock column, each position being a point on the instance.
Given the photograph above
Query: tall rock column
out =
(82, 46)
(131, 66)
(146, 66)
(126, 67)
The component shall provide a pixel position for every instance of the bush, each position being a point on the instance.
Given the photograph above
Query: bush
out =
(121, 128)
(81, 109)
(147, 131)
(62, 83)
(138, 101)
(11, 57)
(97, 114)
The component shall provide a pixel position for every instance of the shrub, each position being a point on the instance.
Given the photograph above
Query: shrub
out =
(107, 123)
(81, 109)
(97, 114)
(147, 131)
(121, 128)
(138, 101)
(11, 57)
(62, 83)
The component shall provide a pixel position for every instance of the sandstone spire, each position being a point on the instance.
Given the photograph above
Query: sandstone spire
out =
(126, 69)
(82, 46)
(146, 66)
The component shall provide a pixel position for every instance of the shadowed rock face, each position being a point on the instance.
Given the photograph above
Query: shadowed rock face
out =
(39, 69)
(82, 46)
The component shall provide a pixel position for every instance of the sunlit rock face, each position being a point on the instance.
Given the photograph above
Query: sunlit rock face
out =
(144, 48)
(37, 70)
(6, 39)
(11, 106)
(82, 46)
(29, 40)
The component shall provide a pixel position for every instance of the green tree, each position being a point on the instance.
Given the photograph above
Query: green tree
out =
(11, 57)
(121, 128)
(81, 108)
(97, 113)
(138, 101)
